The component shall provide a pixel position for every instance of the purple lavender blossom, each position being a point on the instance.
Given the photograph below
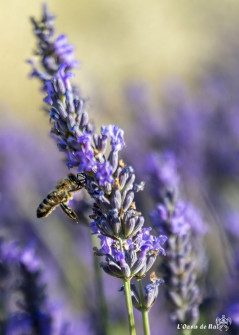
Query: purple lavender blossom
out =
(33, 312)
(163, 169)
(107, 179)
(116, 134)
(138, 256)
(65, 52)
(178, 220)
(165, 183)
(53, 51)
(184, 218)
(104, 173)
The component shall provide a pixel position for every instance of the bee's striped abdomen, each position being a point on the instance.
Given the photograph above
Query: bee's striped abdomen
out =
(51, 201)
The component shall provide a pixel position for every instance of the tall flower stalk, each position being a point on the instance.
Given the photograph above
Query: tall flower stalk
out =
(129, 249)
(144, 311)
(180, 221)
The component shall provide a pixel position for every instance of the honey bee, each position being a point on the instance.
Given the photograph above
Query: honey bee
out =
(62, 193)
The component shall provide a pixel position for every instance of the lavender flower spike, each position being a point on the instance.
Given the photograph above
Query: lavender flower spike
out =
(131, 251)
(22, 273)
(182, 224)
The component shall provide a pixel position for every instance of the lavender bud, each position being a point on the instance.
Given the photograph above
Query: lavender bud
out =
(128, 215)
(129, 182)
(54, 114)
(139, 264)
(89, 128)
(54, 84)
(129, 226)
(108, 188)
(105, 226)
(128, 258)
(135, 297)
(102, 143)
(150, 262)
(77, 131)
(70, 106)
(61, 109)
(128, 200)
(112, 269)
(71, 121)
(133, 257)
(79, 109)
(62, 126)
(116, 200)
(113, 159)
(116, 226)
(122, 178)
(150, 297)
(49, 63)
(104, 203)
(115, 221)
(151, 291)
(139, 224)
(141, 273)
(118, 172)
(60, 87)
(126, 270)
(96, 140)
(84, 119)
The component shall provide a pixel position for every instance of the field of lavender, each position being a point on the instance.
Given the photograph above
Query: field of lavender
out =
(110, 231)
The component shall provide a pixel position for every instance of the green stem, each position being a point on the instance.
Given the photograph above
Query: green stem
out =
(145, 315)
(101, 304)
(129, 305)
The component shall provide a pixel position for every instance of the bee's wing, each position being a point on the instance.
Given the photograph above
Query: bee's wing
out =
(69, 212)
(62, 184)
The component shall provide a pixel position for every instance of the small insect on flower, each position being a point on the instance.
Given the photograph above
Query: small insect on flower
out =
(62, 193)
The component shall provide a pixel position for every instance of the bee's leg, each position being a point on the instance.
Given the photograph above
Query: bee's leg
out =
(69, 212)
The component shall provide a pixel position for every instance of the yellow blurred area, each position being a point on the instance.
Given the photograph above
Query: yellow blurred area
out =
(116, 41)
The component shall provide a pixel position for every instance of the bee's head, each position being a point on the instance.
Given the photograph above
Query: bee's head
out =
(72, 177)
(77, 179)
(81, 178)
